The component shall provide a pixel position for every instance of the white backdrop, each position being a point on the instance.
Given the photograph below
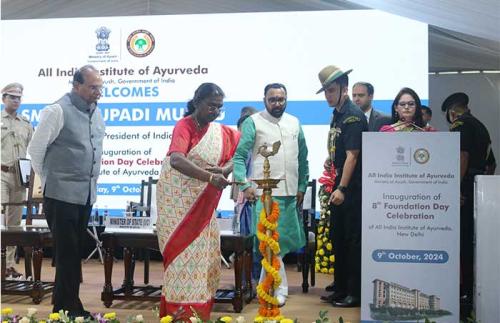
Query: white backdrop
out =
(240, 52)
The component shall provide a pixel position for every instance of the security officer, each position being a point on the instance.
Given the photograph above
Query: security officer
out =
(344, 147)
(16, 134)
(475, 154)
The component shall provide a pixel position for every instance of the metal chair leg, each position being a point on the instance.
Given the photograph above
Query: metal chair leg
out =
(98, 243)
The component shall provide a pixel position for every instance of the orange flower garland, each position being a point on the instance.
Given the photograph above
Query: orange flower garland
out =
(269, 309)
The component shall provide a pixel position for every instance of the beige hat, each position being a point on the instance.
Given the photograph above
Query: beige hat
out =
(329, 74)
(13, 89)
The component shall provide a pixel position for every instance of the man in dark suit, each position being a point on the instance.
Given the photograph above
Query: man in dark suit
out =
(362, 96)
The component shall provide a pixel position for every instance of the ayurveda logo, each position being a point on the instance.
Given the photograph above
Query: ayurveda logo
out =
(140, 43)
(421, 155)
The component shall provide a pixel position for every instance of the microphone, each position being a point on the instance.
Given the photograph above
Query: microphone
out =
(417, 127)
(397, 124)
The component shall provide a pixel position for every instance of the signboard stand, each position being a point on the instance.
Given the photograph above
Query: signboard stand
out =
(410, 227)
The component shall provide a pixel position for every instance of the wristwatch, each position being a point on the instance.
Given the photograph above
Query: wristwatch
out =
(341, 188)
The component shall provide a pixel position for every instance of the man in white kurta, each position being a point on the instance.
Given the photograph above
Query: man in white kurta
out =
(289, 164)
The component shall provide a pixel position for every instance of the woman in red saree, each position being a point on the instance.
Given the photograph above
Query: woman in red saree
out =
(193, 175)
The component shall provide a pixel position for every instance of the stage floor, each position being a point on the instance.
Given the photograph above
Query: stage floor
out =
(304, 307)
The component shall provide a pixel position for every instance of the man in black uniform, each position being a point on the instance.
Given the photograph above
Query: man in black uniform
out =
(475, 155)
(344, 148)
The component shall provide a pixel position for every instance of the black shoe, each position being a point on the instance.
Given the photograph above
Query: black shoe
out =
(11, 271)
(330, 288)
(333, 297)
(348, 301)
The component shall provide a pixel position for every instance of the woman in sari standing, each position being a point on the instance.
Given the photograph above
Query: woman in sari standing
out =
(193, 175)
(407, 113)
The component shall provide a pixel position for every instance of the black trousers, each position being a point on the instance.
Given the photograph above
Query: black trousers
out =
(345, 234)
(68, 224)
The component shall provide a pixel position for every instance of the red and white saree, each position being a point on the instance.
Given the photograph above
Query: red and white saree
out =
(188, 233)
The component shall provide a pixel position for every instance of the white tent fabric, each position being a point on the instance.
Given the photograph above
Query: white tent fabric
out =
(464, 34)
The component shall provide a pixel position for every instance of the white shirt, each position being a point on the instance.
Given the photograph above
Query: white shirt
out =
(368, 114)
(50, 125)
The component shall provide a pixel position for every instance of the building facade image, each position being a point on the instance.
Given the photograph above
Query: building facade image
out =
(388, 294)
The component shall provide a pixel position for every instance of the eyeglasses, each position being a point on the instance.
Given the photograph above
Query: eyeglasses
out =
(213, 107)
(277, 99)
(95, 88)
(410, 104)
(13, 97)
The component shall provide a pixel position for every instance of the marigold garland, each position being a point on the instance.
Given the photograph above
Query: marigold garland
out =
(269, 309)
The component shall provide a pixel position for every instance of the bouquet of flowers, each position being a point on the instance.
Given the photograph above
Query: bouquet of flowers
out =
(324, 258)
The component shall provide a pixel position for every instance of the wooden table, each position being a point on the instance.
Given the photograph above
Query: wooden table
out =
(130, 241)
(31, 238)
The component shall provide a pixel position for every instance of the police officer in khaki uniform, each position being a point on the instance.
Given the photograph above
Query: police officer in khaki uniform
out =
(16, 134)
(475, 156)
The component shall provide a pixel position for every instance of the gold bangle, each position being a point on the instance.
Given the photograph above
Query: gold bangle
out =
(210, 178)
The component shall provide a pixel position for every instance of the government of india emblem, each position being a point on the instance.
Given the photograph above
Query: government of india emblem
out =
(102, 39)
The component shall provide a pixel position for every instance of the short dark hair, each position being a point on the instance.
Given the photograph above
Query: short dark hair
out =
(204, 91)
(369, 87)
(418, 106)
(245, 113)
(427, 109)
(78, 76)
(274, 86)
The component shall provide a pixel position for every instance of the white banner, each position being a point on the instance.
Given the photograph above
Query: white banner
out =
(411, 227)
(152, 65)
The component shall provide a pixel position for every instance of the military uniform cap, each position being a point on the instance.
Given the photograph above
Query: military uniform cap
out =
(328, 75)
(13, 89)
(456, 98)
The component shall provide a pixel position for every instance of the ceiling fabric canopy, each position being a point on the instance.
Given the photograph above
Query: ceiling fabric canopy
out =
(463, 34)
(480, 18)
